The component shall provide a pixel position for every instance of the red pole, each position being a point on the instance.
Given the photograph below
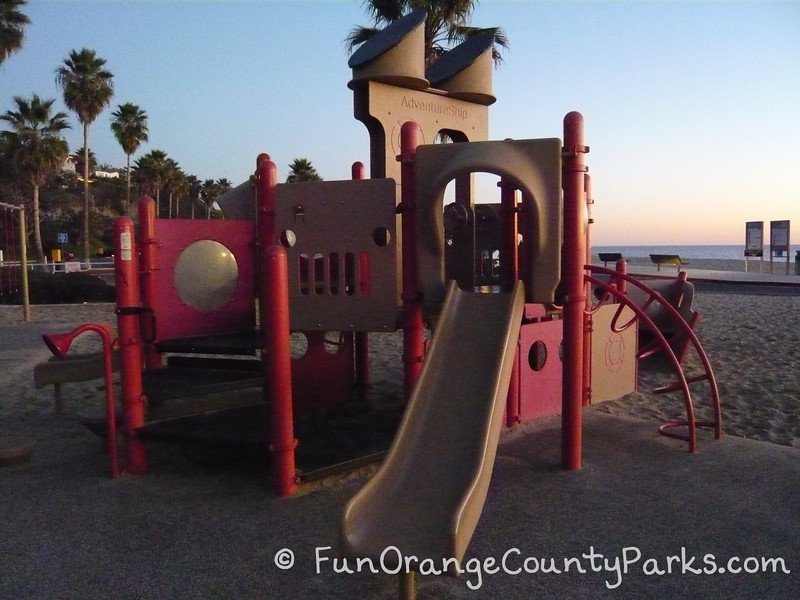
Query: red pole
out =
(130, 343)
(622, 270)
(587, 335)
(266, 180)
(509, 249)
(276, 363)
(509, 265)
(573, 258)
(361, 337)
(413, 350)
(148, 265)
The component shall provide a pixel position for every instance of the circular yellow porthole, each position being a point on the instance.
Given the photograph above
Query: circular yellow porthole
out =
(206, 275)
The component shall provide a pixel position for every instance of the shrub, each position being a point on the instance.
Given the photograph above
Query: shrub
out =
(61, 288)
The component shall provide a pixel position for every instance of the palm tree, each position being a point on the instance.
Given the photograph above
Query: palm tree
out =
(172, 173)
(210, 190)
(445, 26)
(151, 173)
(87, 90)
(36, 149)
(180, 186)
(193, 193)
(301, 169)
(130, 129)
(80, 155)
(12, 22)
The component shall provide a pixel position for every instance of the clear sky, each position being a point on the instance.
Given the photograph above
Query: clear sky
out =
(692, 109)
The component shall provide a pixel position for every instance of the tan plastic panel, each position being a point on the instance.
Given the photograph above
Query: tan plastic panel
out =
(533, 167)
(613, 353)
(384, 108)
(428, 495)
(341, 243)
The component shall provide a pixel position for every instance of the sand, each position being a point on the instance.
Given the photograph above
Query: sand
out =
(753, 344)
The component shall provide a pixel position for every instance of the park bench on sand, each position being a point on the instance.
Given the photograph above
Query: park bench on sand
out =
(667, 259)
(609, 257)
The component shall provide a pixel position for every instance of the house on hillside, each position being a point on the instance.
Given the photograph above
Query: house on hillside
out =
(69, 164)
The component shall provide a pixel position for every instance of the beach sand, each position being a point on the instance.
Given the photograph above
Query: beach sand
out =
(753, 344)
(156, 522)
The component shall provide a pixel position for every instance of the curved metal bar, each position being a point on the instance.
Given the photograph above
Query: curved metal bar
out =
(614, 326)
(684, 386)
(685, 328)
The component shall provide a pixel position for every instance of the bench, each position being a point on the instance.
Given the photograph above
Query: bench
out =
(73, 368)
(667, 259)
(609, 257)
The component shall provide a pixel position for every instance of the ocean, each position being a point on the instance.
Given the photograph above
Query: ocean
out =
(735, 252)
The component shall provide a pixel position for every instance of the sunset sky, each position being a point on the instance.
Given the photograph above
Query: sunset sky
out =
(692, 109)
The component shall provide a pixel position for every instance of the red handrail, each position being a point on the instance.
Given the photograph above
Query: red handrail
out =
(683, 381)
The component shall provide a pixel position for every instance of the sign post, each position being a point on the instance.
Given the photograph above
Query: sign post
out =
(779, 242)
(754, 242)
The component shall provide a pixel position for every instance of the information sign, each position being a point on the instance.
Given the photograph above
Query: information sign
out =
(754, 238)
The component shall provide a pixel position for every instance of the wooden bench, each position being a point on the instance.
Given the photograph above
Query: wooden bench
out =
(609, 257)
(73, 368)
(667, 259)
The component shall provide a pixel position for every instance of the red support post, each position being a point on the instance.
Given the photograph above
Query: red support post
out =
(413, 350)
(573, 258)
(275, 330)
(509, 249)
(266, 180)
(130, 344)
(361, 337)
(509, 265)
(620, 281)
(276, 364)
(147, 266)
(587, 333)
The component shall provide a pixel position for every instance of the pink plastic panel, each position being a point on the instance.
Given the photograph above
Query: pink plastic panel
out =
(324, 375)
(203, 277)
(539, 369)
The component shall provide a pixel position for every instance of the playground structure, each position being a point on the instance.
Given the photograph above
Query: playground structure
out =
(187, 288)
(505, 288)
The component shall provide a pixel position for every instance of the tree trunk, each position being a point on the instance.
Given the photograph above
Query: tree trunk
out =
(128, 184)
(86, 244)
(37, 230)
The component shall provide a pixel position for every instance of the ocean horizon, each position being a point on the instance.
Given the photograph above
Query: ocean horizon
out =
(721, 251)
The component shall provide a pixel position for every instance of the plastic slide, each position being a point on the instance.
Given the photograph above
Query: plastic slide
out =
(428, 495)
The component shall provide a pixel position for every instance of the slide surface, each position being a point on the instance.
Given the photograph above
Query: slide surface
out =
(428, 495)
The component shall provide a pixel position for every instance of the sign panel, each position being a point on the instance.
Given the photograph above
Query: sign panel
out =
(754, 238)
(63, 238)
(779, 236)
